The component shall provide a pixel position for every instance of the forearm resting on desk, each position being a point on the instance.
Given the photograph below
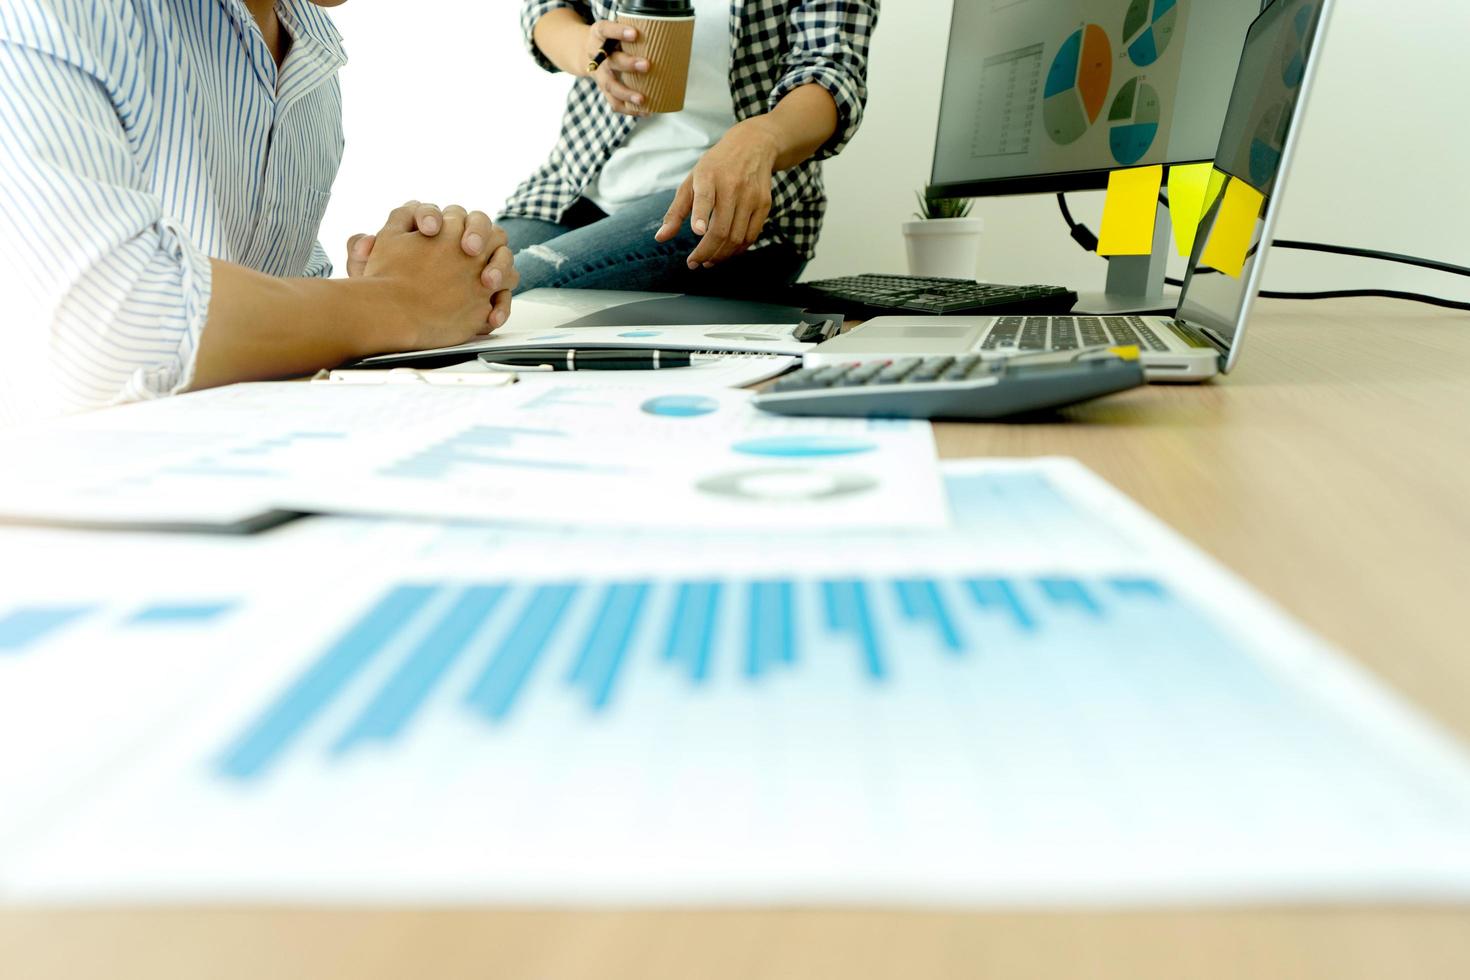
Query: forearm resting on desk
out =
(260, 327)
(412, 293)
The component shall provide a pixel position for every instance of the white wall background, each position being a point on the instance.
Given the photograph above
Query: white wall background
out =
(444, 105)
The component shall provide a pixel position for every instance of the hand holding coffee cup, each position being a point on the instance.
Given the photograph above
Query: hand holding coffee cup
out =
(607, 64)
(664, 44)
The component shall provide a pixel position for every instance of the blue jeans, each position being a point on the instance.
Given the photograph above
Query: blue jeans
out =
(593, 250)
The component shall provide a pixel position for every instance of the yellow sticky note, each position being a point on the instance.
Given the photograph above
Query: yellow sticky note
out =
(1235, 226)
(1130, 210)
(1188, 200)
(1217, 184)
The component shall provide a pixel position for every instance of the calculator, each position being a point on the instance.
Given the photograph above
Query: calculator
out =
(965, 387)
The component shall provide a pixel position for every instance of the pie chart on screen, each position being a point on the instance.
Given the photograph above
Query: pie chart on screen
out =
(1294, 59)
(1148, 27)
(1077, 84)
(1133, 121)
(1267, 145)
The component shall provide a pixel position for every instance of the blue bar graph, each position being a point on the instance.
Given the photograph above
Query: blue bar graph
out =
(1000, 594)
(692, 630)
(921, 602)
(21, 629)
(602, 654)
(848, 613)
(181, 613)
(771, 628)
(1139, 587)
(299, 706)
(587, 644)
(494, 693)
(390, 712)
(1068, 593)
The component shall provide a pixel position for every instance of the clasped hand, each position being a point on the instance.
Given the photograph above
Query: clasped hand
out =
(451, 292)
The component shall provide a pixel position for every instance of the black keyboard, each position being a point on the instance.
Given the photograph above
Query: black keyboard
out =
(864, 297)
(964, 387)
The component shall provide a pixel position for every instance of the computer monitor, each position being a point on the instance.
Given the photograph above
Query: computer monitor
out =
(1053, 95)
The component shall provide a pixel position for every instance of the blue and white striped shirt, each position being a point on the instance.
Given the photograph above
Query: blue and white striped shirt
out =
(138, 140)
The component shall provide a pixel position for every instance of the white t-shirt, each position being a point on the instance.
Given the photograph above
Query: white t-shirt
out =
(663, 148)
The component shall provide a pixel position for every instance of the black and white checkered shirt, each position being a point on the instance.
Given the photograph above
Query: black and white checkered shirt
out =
(780, 45)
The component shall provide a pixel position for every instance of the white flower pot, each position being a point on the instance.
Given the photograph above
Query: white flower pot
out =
(947, 248)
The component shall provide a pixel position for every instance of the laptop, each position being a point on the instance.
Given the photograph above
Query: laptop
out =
(1203, 338)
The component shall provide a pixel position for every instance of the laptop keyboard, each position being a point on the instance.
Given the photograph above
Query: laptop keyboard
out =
(1037, 333)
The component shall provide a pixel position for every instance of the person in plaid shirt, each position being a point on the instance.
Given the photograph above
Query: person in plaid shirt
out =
(722, 197)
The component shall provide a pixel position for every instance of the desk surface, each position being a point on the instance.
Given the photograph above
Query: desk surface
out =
(1332, 471)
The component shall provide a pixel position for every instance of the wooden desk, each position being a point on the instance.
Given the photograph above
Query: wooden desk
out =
(1332, 471)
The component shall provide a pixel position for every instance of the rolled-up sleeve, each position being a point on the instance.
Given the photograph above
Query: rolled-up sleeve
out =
(829, 42)
(113, 295)
(533, 10)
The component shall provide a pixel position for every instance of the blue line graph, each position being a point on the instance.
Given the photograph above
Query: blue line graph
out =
(495, 651)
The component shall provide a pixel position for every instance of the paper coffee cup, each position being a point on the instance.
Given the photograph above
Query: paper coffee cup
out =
(666, 40)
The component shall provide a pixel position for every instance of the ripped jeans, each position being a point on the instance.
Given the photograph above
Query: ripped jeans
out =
(593, 250)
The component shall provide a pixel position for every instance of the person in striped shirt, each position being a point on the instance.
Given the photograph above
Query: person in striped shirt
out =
(164, 168)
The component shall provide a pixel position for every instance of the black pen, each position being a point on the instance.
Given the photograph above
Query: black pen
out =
(561, 359)
(608, 47)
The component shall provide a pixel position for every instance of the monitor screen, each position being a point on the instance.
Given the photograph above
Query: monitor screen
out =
(1264, 112)
(1047, 95)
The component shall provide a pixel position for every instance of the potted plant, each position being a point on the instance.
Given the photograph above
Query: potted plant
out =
(945, 241)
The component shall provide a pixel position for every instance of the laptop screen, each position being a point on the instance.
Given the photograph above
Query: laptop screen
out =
(1255, 146)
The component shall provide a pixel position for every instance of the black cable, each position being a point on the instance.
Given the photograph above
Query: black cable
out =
(1084, 237)
(1449, 304)
(1370, 253)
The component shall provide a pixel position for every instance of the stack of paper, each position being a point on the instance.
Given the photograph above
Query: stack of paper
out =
(595, 454)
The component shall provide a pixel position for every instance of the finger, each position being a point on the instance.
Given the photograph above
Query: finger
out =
(616, 90)
(499, 309)
(428, 219)
(678, 211)
(716, 228)
(609, 30)
(478, 229)
(359, 250)
(757, 226)
(401, 219)
(452, 220)
(501, 272)
(735, 240)
(703, 206)
(628, 63)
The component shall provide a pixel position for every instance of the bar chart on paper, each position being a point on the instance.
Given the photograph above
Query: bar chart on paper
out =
(583, 642)
(25, 628)
(937, 717)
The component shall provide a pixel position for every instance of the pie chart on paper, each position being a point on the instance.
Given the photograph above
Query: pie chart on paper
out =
(1148, 27)
(1077, 84)
(1133, 121)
